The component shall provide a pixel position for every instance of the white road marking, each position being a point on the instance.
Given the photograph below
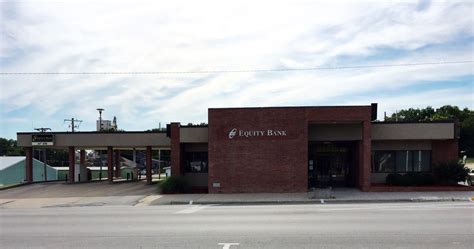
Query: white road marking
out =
(192, 209)
(228, 245)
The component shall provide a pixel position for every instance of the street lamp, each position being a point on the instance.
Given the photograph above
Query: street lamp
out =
(100, 118)
(100, 129)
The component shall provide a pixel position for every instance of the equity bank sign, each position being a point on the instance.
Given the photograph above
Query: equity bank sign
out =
(256, 133)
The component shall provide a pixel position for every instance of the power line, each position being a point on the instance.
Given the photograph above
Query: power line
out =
(240, 71)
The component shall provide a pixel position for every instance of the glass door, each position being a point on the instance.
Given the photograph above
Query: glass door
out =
(324, 170)
(328, 165)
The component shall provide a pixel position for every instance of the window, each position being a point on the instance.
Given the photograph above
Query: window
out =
(422, 161)
(195, 162)
(383, 161)
(404, 160)
(401, 161)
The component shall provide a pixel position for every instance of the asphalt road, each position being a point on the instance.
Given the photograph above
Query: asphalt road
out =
(401, 225)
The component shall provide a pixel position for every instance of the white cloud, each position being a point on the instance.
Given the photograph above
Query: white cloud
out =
(78, 36)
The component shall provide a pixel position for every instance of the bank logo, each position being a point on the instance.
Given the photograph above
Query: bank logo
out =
(232, 133)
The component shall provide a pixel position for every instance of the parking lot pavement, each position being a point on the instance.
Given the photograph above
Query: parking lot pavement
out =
(56, 194)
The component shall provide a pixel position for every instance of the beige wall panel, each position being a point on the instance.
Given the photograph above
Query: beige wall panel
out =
(193, 134)
(402, 131)
(99, 140)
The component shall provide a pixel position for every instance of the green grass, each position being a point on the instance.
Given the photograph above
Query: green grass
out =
(470, 160)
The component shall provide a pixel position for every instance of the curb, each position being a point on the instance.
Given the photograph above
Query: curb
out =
(315, 201)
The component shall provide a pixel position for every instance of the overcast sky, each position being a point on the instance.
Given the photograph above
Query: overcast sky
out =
(131, 36)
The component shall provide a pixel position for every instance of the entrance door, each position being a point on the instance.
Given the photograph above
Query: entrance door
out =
(323, 171)
(329, 165)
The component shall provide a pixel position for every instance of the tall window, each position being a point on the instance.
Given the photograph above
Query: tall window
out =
(401, 161)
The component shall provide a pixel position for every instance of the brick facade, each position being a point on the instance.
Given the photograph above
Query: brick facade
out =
(444, 150)
(29, 164)
(274, 163)
(72, 164)
(176, 169)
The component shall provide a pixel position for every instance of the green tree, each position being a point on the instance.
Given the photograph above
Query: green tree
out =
(9, 147)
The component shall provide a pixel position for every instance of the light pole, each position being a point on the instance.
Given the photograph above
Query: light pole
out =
(100, 118)
(45, 173)
(100, 110)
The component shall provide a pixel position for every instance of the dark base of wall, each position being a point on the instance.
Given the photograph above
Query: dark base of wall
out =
(198, 190)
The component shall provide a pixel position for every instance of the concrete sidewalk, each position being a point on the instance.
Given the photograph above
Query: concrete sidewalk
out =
(340, 195)
(139, 194)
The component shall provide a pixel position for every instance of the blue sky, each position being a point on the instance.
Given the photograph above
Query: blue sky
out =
(97, 36)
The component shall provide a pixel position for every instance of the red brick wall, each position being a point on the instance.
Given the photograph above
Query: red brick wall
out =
(271, 164)
(365, 156)
(176, 169)
(444, 150)
(72, 163)
(29, 164)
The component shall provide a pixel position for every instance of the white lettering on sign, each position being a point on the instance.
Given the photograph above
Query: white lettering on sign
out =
(256, 133)
(228, 245)
(41, 143)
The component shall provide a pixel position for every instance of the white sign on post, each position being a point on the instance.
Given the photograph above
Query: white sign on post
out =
(42, 140)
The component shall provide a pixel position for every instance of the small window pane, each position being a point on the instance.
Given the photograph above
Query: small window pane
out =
(196, 162)
(404, 161)
(384, 161)
(422, 160)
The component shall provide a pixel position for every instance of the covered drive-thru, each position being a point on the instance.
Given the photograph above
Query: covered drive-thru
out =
(112, 142)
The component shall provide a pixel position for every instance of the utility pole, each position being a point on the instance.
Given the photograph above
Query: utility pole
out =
(73, 125)
(45, 172)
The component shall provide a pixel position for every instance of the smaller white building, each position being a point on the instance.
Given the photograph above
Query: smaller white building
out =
(12, 171)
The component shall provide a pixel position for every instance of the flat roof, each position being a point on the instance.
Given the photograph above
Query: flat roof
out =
(413, 122)
(96, 140)
(273, 107)
(87, 132)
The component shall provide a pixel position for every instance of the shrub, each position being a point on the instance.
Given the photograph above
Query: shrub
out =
(426, 179)
(173, 185)
(451, 172)
(410, 179)
(393, 179)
